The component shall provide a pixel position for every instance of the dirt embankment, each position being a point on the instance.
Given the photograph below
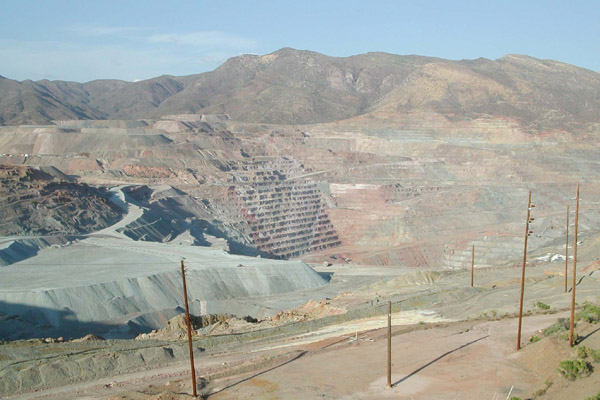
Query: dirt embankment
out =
(217, 325)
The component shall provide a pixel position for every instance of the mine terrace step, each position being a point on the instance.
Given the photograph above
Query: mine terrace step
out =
(301, 242)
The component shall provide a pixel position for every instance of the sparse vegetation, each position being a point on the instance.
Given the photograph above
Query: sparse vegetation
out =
(596, 397)
(589, 313)
(559, 326)
(574, 369)
(565, 336)
(534, 339)
(543, 391)
(585, 352)
(582, 352)
(542, 306)
(489, 314)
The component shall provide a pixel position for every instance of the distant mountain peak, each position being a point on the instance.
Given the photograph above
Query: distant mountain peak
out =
(291, 86)
(290, 50)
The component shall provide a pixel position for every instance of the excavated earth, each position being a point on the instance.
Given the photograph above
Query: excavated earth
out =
(37, 203)
(449, 340)
(307, 229)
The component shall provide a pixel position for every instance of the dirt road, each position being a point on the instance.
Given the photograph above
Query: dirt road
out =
(451, 360)
(466, 360)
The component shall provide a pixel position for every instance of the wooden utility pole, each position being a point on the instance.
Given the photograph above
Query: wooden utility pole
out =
(567, 251)
(189, 330)
(389, 348)
(571, 333)
(472, 263)
(527, 232)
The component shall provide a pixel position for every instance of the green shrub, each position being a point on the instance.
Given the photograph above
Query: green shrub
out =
(585, 352)
(534, 339)
(563, 324)
(566, 336)
(589, 313)
(573, 369)
(543, 391)
(596, 397)
(542, 306)
(595, 355)
(582, 352)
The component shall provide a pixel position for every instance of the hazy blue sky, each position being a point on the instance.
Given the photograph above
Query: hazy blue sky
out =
(85, 40)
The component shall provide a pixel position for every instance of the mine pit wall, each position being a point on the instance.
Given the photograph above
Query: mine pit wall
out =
(34, 142)
(152, 227)
(375, 221)
(100, 151)
(434, 226)
(483, 159)
(412, 224)
(265, 208)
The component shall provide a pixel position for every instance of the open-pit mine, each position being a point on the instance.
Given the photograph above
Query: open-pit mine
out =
(302, 193)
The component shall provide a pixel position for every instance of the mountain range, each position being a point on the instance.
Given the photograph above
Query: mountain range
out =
(301, 87)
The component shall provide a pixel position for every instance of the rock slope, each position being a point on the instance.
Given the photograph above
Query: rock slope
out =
(35, 202)
(299, 87)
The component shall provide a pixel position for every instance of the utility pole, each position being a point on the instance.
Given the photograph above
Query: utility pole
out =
(189, 330)
(571, 333)
(472, 263)
(567, 251)
(389, 347)
(527, 233)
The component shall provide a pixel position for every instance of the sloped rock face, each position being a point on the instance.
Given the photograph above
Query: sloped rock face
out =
(37, 203)
(279, 214)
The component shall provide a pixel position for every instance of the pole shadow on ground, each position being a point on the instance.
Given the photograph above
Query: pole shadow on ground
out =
(302, 353)
(582, 338)
(437, 359)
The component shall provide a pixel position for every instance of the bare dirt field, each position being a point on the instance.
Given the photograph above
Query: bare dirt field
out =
(450, 341)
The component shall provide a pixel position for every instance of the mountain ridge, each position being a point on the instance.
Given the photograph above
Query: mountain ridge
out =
(292, 86)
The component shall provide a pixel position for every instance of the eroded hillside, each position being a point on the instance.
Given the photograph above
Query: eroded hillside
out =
(36, 202)
(303, 87)
(383, 189)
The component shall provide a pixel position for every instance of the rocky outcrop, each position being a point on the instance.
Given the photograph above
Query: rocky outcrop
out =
(37, 203)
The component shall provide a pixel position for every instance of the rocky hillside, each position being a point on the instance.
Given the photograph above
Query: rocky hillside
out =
(44, 201)
(298, 87)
